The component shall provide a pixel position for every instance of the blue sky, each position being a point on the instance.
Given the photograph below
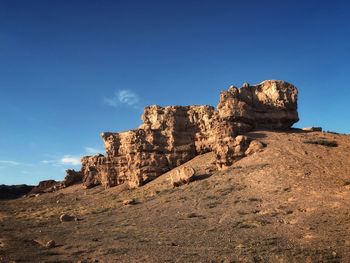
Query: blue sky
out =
(72, 69)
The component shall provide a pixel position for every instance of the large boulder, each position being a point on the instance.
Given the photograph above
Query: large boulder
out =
(183, 175)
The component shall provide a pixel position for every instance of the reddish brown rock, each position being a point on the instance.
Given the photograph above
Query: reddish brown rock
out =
(91, 168)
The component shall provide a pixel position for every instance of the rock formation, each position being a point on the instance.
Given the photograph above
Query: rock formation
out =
(72, 177)
(170, 136)
(271, 104)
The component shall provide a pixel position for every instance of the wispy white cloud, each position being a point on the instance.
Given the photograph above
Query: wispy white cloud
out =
(92, 151)
(63, 161)
(70, 159)
(123, 97)
(7, 162)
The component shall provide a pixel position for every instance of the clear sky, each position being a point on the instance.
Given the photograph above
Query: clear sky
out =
(72, 69)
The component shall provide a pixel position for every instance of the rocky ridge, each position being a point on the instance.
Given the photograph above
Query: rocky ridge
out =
(172, 135)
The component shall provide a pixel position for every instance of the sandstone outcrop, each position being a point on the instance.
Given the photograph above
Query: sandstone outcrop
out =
(271, 104)
(72, 177)
(170, 136)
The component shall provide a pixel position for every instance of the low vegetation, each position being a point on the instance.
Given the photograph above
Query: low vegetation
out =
(322, 141)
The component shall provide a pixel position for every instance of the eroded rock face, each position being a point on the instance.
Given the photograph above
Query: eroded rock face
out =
(72, 177)
(170, 136)
(271, 104)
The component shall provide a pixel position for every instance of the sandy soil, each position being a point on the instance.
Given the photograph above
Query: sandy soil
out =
(288, 203)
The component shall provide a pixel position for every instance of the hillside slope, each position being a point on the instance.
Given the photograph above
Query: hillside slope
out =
(288, 203)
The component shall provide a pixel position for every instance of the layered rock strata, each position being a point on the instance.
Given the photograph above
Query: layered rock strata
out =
(170, 136)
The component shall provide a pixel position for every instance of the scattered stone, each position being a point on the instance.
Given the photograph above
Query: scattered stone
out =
(68, 218)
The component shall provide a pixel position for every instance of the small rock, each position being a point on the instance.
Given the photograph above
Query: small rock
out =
(67, 218)
(254, 147)
(130, 202)
(49, 244)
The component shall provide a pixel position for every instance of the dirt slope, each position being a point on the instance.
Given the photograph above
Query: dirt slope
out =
(289, 203)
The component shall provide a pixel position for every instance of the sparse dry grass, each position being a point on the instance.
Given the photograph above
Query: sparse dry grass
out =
(245, 214)
(322, 141)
